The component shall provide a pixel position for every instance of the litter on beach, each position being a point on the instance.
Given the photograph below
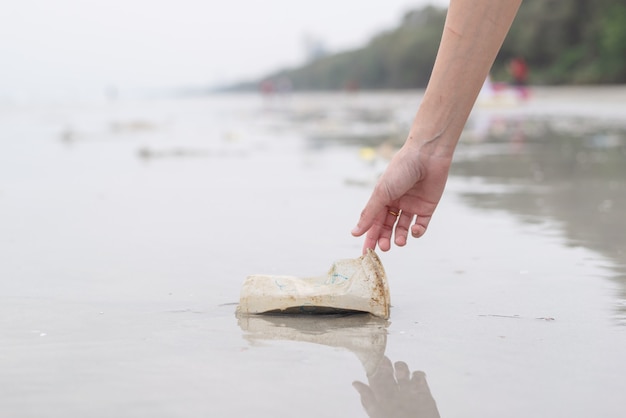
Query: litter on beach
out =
(351, 285)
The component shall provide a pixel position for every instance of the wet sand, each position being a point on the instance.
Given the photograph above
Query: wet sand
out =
(127, 229)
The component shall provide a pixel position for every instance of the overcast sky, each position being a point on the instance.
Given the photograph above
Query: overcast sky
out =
(54, 46)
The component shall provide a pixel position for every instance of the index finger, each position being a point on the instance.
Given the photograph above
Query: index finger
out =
(369, 214)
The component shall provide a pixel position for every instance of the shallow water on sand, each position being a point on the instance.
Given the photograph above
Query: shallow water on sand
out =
(127, 228)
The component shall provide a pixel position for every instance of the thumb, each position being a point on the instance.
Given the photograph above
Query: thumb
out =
(374, 206)
(369, 214)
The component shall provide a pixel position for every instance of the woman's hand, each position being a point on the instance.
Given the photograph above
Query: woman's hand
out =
(404, 198)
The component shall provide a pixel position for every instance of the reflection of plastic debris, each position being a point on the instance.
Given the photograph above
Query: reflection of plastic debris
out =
(358, 284)
(363, 335)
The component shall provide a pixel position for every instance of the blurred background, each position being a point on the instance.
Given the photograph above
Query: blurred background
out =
(70, 48)
(73, 48)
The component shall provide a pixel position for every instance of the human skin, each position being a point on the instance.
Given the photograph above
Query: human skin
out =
(407, 193)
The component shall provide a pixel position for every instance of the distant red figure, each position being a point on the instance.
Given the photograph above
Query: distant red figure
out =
(267, 87)
(351, 86)
(519, 71)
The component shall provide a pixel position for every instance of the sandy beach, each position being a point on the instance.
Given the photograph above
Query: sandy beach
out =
(127, 228)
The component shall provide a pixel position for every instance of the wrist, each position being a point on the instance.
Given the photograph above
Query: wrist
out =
(432, 142)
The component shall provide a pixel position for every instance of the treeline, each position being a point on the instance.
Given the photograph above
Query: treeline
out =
(562, 41)
(569, 41)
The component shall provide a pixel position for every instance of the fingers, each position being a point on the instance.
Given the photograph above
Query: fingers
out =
(377, 203)
(371, 239)
(368, 216)
(386, 230)
(373, 233)
(382, 229)
(402, 228)
(382, 218)
(420, 226)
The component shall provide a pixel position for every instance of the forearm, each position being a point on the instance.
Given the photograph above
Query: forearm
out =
(473, 34)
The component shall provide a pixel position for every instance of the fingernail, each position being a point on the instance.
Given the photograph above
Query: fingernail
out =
(355, 230)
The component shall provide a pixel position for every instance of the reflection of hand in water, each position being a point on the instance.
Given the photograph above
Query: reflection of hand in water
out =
(400, 396)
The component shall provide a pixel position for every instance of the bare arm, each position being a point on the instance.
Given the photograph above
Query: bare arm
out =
(472, 36)
(410, 189)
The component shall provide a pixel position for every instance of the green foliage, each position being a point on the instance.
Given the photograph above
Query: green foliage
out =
(397, 59)
(569, 41)
(613, 42)
(563, 42)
